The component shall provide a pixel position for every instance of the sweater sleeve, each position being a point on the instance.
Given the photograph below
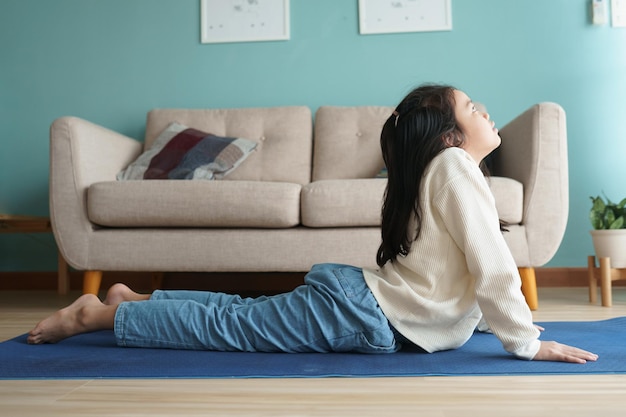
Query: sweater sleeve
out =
(470, 216)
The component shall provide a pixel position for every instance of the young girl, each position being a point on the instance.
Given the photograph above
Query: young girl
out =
(444, 266)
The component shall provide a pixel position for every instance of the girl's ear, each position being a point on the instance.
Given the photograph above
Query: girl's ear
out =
(452, 139)
(449, 140)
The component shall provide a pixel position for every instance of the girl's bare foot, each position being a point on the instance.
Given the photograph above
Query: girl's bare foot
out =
(119, 293)
(86, 314)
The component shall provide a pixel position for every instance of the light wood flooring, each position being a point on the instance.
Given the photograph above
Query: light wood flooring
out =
(571, 396)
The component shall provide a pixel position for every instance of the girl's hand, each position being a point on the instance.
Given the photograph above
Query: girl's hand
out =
(553, 351)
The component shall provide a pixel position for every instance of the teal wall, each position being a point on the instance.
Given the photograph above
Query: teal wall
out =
(112, 61)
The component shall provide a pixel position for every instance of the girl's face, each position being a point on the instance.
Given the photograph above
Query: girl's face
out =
(481, 137)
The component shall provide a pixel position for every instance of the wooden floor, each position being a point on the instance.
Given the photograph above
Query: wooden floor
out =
(553, 396)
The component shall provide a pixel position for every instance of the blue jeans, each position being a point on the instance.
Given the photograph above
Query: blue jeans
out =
(334, 311)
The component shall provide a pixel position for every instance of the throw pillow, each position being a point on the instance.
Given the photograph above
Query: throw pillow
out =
(181, 152)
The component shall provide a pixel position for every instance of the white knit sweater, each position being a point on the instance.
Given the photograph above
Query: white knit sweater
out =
(459, 266)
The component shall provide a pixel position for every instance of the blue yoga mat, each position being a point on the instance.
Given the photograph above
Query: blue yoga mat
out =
(95, 355)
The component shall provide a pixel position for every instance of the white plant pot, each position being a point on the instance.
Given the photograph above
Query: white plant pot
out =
(611, 244)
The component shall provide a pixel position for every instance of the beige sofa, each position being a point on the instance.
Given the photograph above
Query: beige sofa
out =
(305, 195)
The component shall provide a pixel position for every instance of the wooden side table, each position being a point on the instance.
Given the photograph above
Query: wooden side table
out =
(605, 274)
(30, 224)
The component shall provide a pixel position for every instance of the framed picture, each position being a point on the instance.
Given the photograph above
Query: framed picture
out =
(395, 16)
(244, 20)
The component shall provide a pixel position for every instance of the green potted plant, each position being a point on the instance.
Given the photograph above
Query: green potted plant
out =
(608, 220)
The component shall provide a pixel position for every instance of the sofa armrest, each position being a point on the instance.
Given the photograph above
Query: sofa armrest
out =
(81, 153)
(534, 152)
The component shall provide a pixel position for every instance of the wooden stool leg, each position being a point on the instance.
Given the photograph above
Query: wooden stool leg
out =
(529, 286)
(91, 282)
(605, 282)
(593, 284)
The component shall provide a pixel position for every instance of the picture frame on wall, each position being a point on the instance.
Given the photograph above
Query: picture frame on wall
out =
(244, 20)
(397, 16)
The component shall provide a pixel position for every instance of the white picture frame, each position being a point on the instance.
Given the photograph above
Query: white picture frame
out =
(398, 16)
(244, 20)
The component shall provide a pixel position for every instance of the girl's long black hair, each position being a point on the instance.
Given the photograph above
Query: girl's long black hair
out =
(421, 127)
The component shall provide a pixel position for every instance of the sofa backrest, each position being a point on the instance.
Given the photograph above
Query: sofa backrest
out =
(283, 134)
(347, 142)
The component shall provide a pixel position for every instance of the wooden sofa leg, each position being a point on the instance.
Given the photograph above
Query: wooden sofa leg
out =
(91, 282)
(529, 286)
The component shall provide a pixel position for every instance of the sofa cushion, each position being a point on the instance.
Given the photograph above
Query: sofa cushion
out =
(352, 203)
(347, 142)
(163, 203)
(343, 203)
(509, 195)
(181, 152)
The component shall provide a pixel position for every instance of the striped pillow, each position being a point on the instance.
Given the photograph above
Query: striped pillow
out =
(181, 152)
